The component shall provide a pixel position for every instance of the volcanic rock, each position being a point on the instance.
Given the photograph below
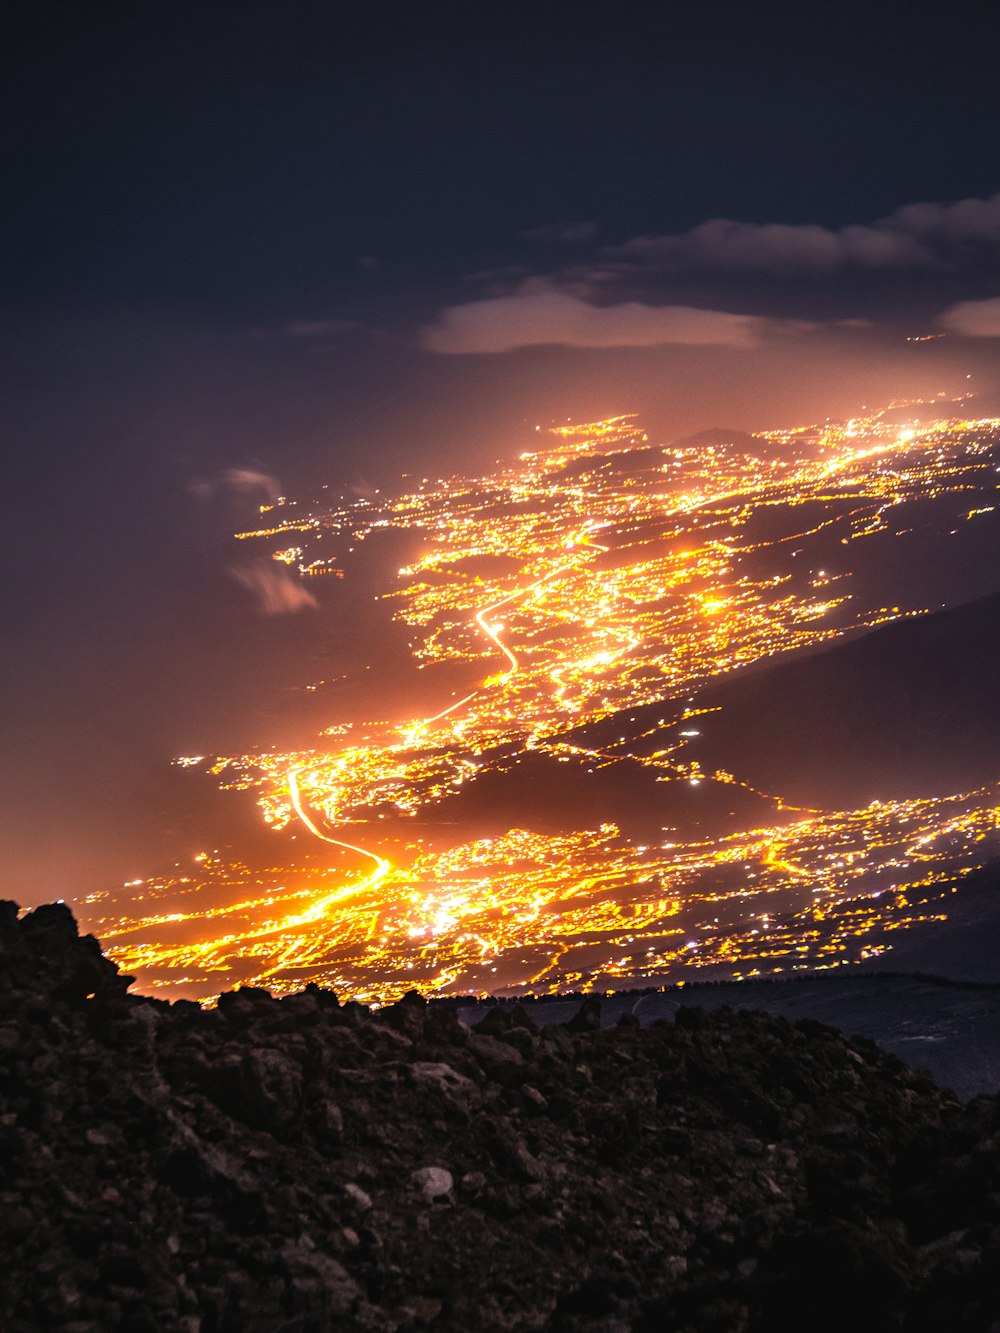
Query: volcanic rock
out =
(302, 1165)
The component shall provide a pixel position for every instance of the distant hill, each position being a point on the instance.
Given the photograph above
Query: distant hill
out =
(624, 462)
(911, 709)
(537, 792)
(718, 436)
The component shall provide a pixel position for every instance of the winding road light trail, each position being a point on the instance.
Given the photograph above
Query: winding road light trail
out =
(493, 632)
(382, 866)
(317, 910)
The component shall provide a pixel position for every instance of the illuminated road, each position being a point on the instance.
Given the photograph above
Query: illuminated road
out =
(296, 948)
(381, 866)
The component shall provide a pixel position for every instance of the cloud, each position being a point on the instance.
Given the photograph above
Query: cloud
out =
(923, 235)
(276, 590)
(537, 316)
(975, 319)
(618, 295)
(246, 479)
(242, 480)
(778, 248)
(572, 233)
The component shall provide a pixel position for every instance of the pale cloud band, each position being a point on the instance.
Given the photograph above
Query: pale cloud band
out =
(559, 309)
(922, 235)
(534, 318)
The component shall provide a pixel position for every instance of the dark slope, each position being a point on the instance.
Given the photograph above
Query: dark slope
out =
(722, 437)
(539, 792)
(299, 1165)
(911, 709)
(966, 946)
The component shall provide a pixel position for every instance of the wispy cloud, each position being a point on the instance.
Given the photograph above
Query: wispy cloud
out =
(975, 319)
(916, 236)
(536, 317)
(250, 479)
(276, 590)
(242, 480)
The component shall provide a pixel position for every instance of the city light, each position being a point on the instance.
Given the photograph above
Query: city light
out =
(595, 575)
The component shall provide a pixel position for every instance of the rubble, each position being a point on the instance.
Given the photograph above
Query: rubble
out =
(304, 1166)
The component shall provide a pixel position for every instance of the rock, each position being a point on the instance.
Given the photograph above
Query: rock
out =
(433, 1182)
(331, 1121)
(559, 1042)
(319, 1284)
(498, 1020)
(443, 1077)
(359, 1197)
(533, 1098)
(587, 1018)
(262, 1086)
(241, 1006)
(275, 1164)
(500, 1060)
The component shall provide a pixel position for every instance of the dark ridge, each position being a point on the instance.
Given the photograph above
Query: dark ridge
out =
(908, 709)
(306, 1165)
(536, 791)
(717, 437)
(911, 709)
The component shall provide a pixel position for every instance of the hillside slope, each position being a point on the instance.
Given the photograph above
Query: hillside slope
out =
(909, 709)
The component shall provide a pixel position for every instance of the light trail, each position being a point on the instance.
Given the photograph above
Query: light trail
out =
(492, 632)
(411, 735)
(532, 590)
(382, 866)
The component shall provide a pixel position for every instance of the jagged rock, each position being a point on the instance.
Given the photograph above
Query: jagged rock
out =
(588, 1016)
(498, 1059)
(433, 1182)
(277, 1165)
(444, 1079)
(359, 1197)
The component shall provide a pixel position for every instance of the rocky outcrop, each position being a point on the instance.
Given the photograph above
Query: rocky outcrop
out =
(307, 1165)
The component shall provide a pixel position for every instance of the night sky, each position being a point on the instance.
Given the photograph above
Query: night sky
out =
(327, 242)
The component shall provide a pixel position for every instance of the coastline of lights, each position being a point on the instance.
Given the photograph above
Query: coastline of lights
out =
(594, 575)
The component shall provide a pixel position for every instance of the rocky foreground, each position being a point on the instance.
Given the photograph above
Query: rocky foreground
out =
(306, 1165)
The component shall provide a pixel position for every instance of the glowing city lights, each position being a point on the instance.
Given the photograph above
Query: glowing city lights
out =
(594, 575)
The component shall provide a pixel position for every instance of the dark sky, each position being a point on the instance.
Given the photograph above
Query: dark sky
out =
(268, 162)
(329, 241)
